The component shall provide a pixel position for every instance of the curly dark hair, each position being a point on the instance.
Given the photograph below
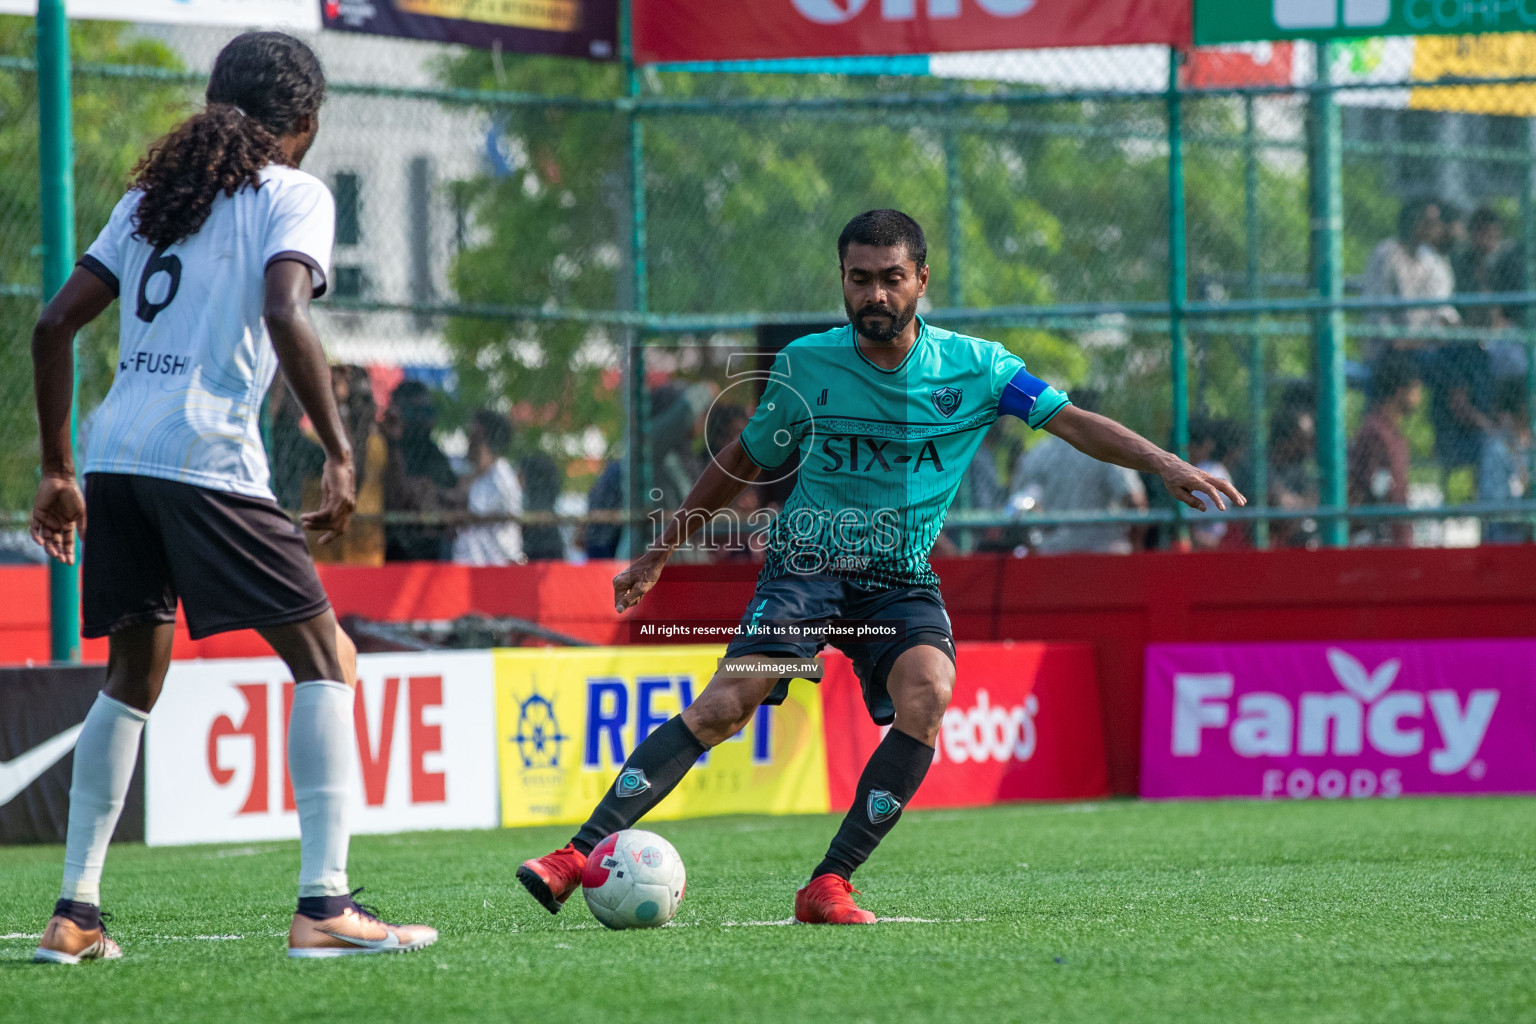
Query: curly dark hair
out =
(264, 86)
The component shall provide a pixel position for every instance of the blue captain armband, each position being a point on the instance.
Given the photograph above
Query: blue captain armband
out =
(1031, 399)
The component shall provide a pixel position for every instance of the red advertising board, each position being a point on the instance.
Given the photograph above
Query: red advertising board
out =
(684, 30)
(1242, 64)
(1024, 724)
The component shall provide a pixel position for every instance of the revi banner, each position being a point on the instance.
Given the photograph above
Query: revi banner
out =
(694, 30)
(216, 768)
(1339, 720)
(567, 719)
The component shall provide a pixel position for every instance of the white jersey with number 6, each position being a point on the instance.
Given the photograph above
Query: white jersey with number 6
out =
(194, 359)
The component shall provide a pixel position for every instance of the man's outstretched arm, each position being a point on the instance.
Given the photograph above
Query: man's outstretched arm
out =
(1108, 441)
(722, 481)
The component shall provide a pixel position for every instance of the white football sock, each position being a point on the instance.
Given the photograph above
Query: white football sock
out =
(105, 754)
(320, 763)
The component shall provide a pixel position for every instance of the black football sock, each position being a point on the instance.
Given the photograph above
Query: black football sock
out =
(654, 768)
(85, 915)
(891, 777)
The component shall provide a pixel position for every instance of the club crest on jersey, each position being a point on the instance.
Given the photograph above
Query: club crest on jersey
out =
(881, 806)
(946, 400)
(632, 782)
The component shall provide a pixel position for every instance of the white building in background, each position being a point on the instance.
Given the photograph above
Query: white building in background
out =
(388, 161)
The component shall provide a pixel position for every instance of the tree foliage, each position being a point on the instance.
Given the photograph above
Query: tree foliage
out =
(1062, 202)
(114, 121)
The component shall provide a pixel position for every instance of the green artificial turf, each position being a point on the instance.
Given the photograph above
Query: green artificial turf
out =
(1408, 910)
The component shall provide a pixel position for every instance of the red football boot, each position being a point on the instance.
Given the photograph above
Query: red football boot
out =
(828, 899)
(553, 877)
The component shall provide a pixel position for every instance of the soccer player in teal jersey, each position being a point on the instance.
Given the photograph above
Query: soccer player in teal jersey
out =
(885, 415)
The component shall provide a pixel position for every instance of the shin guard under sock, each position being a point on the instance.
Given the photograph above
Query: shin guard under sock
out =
(891, 777)
(654, 768)
(105, 755)
(321, 756)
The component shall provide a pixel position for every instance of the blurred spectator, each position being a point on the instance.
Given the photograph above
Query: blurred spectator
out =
(1453, 238)
(1490, 264)
(491, 488)
(295, 457)
(1378, 453)
(419, 478)
(1481, 267)
(1504, 472)
(1053, 477)
(987, 490)
(1292, 472)
(541, 480)
(1459, 379)
(1460, 375)
(728, 537)
(677, 416)
(1411, 266)
(363, 543)
(1210, 445)
(601, 540)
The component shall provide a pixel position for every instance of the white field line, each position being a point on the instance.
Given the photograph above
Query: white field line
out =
(22, 935)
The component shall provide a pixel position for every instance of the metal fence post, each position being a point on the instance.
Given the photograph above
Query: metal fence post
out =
(1327, 264)
(56, 148)
(637, 484)
(1527, 281)
(954, 228)
(954, 212)
(1178, 274)
(1257, 385)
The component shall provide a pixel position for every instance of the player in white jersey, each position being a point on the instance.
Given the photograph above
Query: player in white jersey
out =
(215, 254)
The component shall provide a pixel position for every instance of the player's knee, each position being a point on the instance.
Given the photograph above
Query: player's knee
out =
(926, 701)
(723, 710)
(924, 693)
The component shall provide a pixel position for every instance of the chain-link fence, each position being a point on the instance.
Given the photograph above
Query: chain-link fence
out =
(1308, 277)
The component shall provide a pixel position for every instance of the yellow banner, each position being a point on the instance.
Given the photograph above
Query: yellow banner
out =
(1439, 58)
(549, 15)
(567, 719)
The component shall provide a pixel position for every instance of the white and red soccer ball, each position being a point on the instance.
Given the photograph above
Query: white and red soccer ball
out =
(634, 879)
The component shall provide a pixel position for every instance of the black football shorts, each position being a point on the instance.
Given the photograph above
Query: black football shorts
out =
(235, 562)
(817, 605)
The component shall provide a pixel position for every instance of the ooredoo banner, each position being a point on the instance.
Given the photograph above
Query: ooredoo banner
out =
(216, 768)
(1024, 724)
(683, 30)
(568, 718)
(1339, 720)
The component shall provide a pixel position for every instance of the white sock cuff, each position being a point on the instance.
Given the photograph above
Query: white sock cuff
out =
(330, 683)
(120, 709)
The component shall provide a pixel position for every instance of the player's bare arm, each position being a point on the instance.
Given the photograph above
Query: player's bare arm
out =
(59, 509)
(722, 481)
(286, 309)
(1108, 441)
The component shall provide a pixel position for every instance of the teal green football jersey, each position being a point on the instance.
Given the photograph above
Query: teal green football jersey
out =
(882, 452)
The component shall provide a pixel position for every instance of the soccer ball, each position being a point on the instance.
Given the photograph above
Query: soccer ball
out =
(634, 879)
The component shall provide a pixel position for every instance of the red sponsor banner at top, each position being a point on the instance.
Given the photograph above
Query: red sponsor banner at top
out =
(684, 30)
(1024, 724)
